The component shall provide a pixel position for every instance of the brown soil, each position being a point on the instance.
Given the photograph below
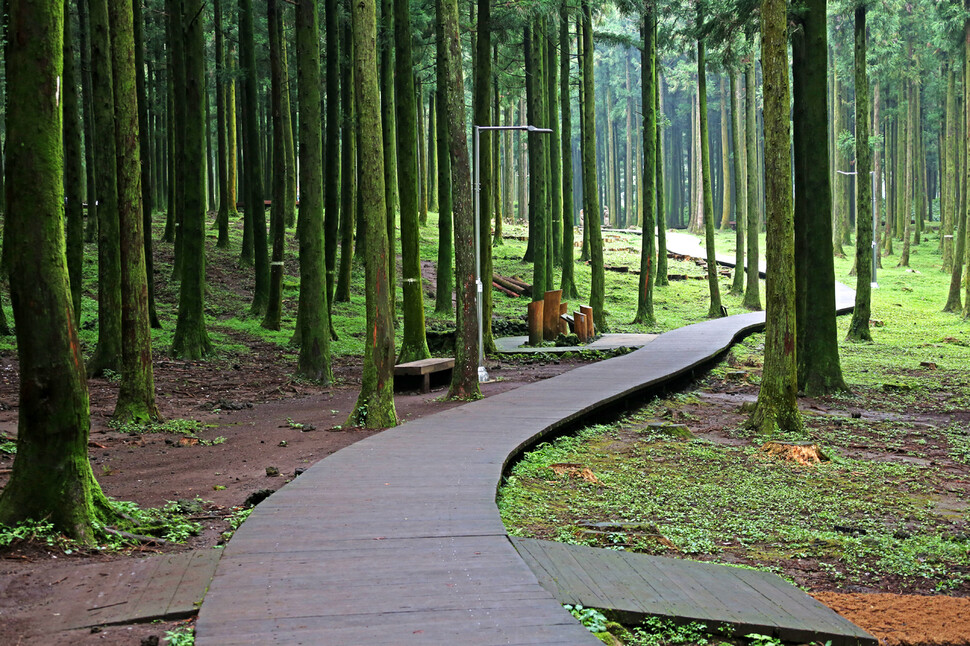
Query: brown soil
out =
(250, 401)
(905, 620)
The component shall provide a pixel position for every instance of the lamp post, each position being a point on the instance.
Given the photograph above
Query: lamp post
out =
(477, 185)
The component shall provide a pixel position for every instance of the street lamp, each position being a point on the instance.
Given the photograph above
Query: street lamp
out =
(477, 185)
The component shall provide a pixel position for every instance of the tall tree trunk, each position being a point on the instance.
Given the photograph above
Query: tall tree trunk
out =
(737, 286)
(481, 108)
(537, 184)
(432, 153)
(278, 208)
(414, 345)
(252, 156)
(422, 161)
(389, 128)
(715, 310)
(648, 82)
(87, 103)
(819, 368)
(445, 277)
(660, 209)
(375, 404)
(331, 194)
(136, 397)
(107, 355)
(597, 295)
(227, 208)
(464, 382)
(553, 153)
(859, 326)
(725, 159)
(752, 290)
(348, 163)
(289, 204)
(877, 171)
(777, 406)
(51, 477)
(191, 341)
(73, 171)
(568, 282)
(314, 317)
(908, 181)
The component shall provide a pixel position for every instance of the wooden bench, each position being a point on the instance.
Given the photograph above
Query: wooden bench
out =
(408, 375)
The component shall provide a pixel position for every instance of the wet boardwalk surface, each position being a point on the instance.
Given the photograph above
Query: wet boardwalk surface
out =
(397, 540)
(636, 586)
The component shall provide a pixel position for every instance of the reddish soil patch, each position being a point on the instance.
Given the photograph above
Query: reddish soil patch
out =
(905, 620)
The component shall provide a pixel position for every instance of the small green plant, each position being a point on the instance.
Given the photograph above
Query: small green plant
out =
(180, 637)
(219, 440)
(758, 639)
(657, 631)
(112, 376)
(174, 426)
(7, 445)
(30, 530)
(235, 519)
(593, 619)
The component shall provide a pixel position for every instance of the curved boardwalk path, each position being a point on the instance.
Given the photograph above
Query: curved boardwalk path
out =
(397, 540)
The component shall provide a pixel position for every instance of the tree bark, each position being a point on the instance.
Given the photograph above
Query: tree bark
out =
(777, 407)
(314, 317)
(333, 153)
(715, 310)
(568, 282)
(648, 62)
(375, 403)
(73, 172)
(752, 290)
(278, 207)
(348, 163)
(597, 295)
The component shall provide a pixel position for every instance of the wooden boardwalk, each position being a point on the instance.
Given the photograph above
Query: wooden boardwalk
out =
(397, 540)
(636, 586)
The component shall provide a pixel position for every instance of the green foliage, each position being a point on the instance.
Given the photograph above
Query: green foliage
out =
(30, 530)
(235, 519)
(758, 639)
(7, 445)
(174, 426)
(594, 620)
(657, 631)
(170, 522)
(180, 637)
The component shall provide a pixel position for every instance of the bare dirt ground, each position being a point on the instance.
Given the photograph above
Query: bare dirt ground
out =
(267, 420)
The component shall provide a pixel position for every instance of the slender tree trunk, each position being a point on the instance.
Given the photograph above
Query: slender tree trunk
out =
(252, 155)
(314, 317)
(464, 383)
(289, 152)
(568, 282)
(422, 161)
(107, 355)
(909, 179)
(737, 286)
(553, 153)
(278, 208)
(725, 160)
(375, 404)
(87, 102)
(51, 477)
(222, 158)
(660, 210)
(73, 171)
(877, 171)
(482, 99)
(445, 277)
(191, 341)
(777, 406)
(348, 184)
(715, 309)
(331, 194)
(648, 62)
(432, 154)
(414, 345)
(859, 327)
(597, 296)
(537, 184)
(752, 290)
(386, 38)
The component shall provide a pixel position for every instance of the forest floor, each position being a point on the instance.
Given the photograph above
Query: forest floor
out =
(231, 417)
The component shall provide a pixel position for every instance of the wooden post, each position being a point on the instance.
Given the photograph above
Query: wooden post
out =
(550, 315)
(535, 323)
(563, 325)
(590, 328)
(579, 326)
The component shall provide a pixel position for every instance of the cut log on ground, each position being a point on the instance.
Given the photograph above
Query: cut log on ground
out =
(509, 285)
(507, 292)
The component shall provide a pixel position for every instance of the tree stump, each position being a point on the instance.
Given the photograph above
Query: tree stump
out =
(535, 322)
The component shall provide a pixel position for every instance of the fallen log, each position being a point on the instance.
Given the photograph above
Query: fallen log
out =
(507, 284)
(507, 292)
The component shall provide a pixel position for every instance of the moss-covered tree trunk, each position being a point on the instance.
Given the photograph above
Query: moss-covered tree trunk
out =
(445, 277)
(387, 47)
(908, 177)
(107, 354)
(51, 477)
(482, 116)
(819, 368)
(464, 381)
(593, 216)
(660, 210)
(741, 197)
(136, 397)
(648, 62)
(73, 171)
(859, 326)
(332, 153)
(314, 317)
(191, 341)
(222, 160)
(432, 153)
(232, 142)
(877, 171)
(715, 310)
(278, 208)
(348, 163)
(725, 158)
(553, 153)
(752, 290)
(568, 281)
(375, 404)
(414, 345)
(777, 405)
(91, 191)
(289, 205)
(537, 183)
(422, 160)
(253, 158)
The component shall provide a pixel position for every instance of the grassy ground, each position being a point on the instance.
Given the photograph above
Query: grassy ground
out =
(889, 511)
